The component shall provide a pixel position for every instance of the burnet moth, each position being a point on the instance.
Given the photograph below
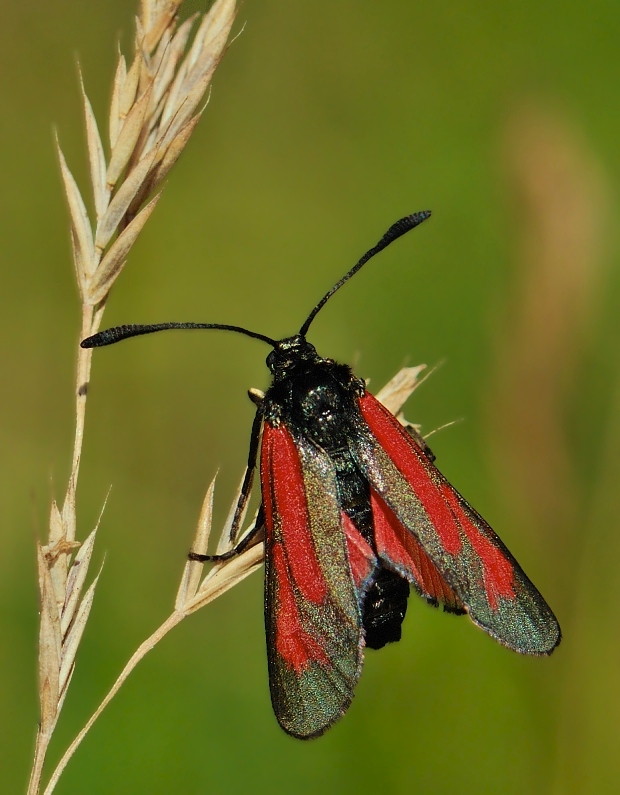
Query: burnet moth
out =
(354, 511)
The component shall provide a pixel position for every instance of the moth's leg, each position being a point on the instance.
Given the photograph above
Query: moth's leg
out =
(245, 543)
(414, 432)
(244, 496)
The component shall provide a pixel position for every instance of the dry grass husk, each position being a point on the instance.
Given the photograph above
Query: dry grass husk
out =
(156, 104)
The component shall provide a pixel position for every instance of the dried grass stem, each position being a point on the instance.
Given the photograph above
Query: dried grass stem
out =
(154, 110)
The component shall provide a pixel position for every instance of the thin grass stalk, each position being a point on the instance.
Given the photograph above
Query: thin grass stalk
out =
(142, 149)
(91, 321)
(248, 563)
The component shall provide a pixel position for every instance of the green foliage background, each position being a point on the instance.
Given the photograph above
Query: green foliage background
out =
(327, 122)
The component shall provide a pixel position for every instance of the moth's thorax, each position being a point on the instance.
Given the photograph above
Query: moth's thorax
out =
(312, 395)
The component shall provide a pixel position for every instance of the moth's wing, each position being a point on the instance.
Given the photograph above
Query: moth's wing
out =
(465, 552)
(316, 573)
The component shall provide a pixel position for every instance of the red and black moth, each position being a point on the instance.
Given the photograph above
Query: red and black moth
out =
(354, 511)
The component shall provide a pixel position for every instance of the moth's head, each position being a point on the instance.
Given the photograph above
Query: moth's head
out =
(289, 354)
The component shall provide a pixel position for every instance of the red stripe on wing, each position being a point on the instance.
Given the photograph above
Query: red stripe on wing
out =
(396, 545)
(283, 467)
(293, 643)
(498, 571)
(400, 446)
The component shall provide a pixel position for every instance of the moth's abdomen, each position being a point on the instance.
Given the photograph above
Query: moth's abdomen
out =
(385, 607)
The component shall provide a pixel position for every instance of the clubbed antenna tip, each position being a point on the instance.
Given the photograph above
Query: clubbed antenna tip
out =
(393, 233)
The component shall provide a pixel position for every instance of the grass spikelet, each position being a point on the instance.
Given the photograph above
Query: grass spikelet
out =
(153, 111)
(194, 592)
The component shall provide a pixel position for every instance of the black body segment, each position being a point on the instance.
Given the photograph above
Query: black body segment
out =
(385, 607)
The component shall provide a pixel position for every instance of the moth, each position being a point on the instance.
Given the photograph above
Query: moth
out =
(354, 513)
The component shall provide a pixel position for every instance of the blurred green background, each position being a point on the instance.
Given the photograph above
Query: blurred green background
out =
(327, 122)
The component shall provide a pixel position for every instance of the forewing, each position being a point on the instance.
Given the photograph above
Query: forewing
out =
(312, 611)
(464, 550)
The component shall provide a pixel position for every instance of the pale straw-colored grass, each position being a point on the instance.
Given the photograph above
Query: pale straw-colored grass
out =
(195, 591)
(156, 103)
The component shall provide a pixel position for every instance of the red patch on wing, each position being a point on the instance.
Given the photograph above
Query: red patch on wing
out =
(361, 557)
(296, 647)
(400, 547)
(284, 495)
(498, 570)
(410, 460)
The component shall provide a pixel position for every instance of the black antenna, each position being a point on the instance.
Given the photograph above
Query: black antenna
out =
(118, 333)
(394, 232)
